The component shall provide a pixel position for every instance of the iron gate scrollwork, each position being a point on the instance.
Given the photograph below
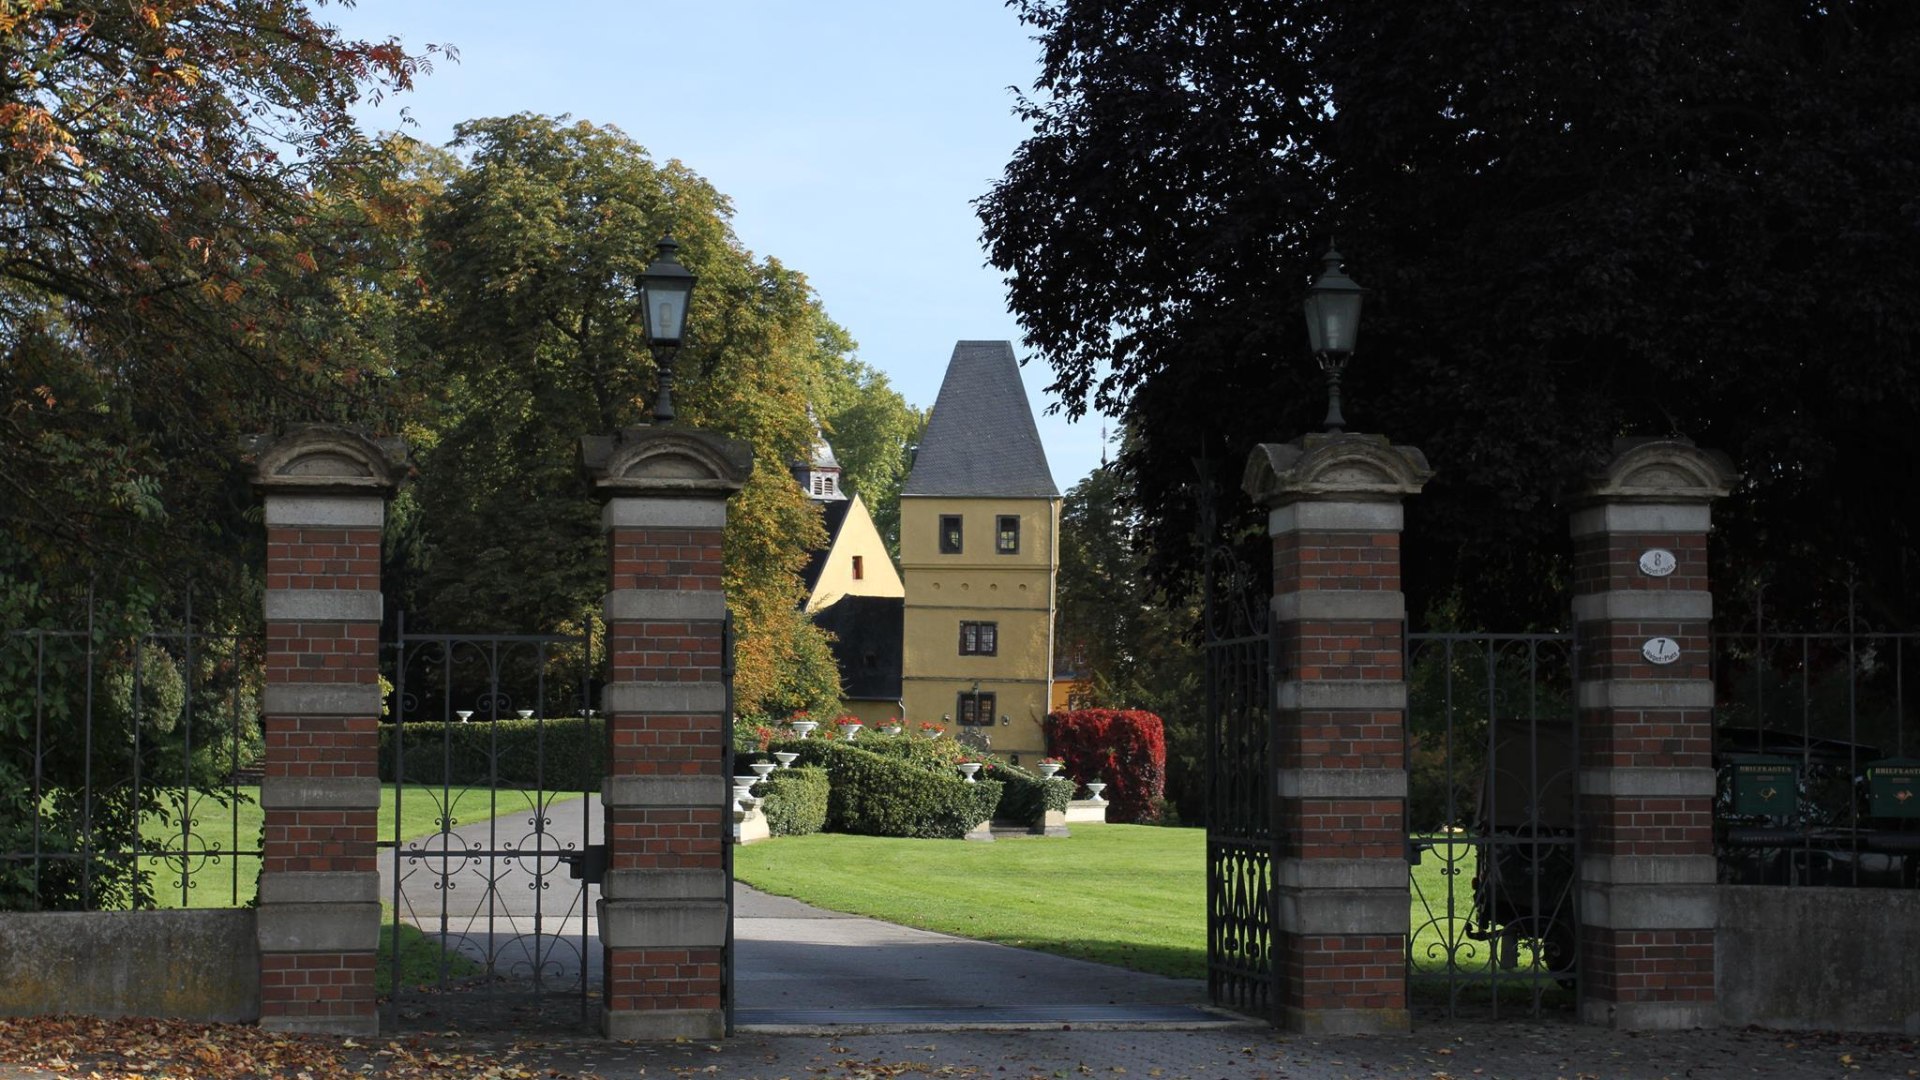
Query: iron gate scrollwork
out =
(1243, 837)
(1492, 803)
(494, 749)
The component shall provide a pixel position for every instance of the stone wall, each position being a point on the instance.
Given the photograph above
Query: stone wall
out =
(1801, 959)
(104, 963)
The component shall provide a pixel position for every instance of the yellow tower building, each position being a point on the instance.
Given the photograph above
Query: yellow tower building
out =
(979, 555)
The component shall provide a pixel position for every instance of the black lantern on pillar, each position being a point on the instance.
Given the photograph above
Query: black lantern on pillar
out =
(666, 288)
(1333, 326)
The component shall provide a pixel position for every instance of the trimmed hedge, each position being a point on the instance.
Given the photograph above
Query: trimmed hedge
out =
(877, 795)
(1125, 747)
(795, 800)
(575, 752)
(937, 754)
(1024, 796)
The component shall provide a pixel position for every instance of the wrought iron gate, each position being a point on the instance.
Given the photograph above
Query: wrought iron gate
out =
(1492, 795)
(1243, 837)
(491, 866)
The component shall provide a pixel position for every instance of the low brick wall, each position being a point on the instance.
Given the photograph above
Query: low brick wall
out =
(1838, 959)
(196, 965)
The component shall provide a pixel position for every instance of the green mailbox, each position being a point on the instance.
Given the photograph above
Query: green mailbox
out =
(1893, 788)
(1766, 787)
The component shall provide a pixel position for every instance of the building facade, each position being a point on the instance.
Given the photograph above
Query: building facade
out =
(854, 593)
(979, 558)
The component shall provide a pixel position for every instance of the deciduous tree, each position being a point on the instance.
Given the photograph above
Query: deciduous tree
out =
(164, 173)
(534, 254)
(872, 429)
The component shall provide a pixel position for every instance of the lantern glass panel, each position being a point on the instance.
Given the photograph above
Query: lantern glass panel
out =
(1333, 321)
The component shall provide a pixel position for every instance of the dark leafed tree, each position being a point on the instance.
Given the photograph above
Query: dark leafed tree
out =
(1579, 222)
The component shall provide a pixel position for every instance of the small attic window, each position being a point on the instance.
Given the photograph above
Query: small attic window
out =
(859, 568)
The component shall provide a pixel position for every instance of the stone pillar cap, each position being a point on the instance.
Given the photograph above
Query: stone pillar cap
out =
(327, 459)
(1661, 470)
(664, 460)
(1347, 467)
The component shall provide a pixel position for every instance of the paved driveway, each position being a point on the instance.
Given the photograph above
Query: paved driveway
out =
(499, 892)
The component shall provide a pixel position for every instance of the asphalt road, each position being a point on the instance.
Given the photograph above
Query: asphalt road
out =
(499, 891)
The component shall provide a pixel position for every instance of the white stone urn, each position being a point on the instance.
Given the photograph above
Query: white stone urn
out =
(762, 768)
(1094, 788)
(786, 758)
(852, 728)
(1048, 769)
(804, 728)
(743, 792)
(892, 729)
(969, 768)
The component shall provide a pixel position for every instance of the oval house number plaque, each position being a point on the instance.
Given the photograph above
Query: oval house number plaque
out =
(1657, 562)
(1660, 650)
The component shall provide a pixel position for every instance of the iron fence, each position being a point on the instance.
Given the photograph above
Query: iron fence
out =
(127, 765)
(1814, 744)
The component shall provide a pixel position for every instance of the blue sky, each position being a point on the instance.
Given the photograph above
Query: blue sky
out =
(851, 137)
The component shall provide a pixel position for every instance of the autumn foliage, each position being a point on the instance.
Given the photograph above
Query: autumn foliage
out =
(1127, 748)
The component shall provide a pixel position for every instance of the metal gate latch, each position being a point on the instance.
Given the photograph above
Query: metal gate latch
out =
(589, 864)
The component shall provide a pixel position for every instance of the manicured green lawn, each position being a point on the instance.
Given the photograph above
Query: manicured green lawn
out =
(420, 957)
(228, 880)
(1130, 895)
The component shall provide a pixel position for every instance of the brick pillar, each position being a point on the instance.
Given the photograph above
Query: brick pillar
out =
(664, 917)
(325, 491)
(1341, 785)
(1646, 885)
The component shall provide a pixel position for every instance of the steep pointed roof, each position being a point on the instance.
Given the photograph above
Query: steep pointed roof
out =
(833, 516)
(981, 440)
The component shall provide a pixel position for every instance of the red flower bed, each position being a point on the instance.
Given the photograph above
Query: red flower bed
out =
(1125, 747)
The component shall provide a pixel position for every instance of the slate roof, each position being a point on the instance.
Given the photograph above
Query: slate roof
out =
(833, 515)
(869, 644)
(981, 439)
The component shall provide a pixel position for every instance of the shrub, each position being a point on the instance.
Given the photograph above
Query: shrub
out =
(1125, 747)
(795, 801)
(928, 753)
(879, 795)
(751, 733)
(1024, 797)
(564, 753)
(153, 678)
